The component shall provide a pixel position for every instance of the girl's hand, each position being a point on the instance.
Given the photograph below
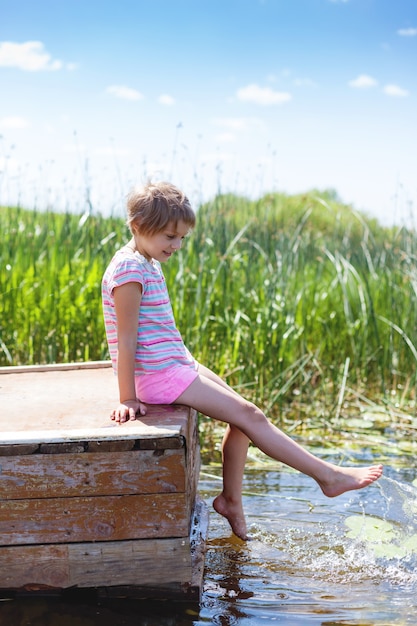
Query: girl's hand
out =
(128, 410)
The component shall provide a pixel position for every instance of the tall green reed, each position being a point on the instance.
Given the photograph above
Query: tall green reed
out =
(277, 295)
(51, 267)
(301, 280)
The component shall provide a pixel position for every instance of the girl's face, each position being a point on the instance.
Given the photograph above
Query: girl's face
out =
(162, 245)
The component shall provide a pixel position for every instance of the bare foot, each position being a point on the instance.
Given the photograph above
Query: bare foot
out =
(233, 512)
(341, 479)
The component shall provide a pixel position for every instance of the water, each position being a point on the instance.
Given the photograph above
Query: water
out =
(303, 569)
(312, 561)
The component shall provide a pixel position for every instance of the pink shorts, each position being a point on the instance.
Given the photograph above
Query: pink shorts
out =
(166, 386)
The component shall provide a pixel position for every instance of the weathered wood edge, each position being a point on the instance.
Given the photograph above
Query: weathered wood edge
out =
(179, 592)
(198, 537)
(54, 367)
(106, 433)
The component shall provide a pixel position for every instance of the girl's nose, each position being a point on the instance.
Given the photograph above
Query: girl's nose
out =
(177, 243)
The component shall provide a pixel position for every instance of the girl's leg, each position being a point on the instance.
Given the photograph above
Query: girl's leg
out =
(234, 451)
(219, 402)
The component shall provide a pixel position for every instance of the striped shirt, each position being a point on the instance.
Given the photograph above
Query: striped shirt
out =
(159, 343)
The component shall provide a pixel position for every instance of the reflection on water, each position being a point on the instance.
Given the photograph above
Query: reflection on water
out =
(303, 568)
(312, 560)
(77, 611)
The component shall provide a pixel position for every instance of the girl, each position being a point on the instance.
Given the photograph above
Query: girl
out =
(153, 365)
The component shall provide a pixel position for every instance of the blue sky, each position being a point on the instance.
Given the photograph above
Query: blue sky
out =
(247, 96)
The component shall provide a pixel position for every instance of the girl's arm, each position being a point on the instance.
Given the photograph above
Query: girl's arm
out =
(127, 299)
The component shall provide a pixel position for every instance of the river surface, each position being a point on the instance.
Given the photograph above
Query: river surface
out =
(348, 561)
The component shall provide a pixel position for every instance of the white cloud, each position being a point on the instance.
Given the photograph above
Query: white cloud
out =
(395, 91)
(407, 32)
(166, 100)
(123, 92)
(363, 81)
(30, 56)
(13, 122)
(262, 95)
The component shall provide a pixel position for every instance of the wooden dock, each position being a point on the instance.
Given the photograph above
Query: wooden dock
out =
(86, 503)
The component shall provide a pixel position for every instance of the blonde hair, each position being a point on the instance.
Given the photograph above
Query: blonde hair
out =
(152, 207)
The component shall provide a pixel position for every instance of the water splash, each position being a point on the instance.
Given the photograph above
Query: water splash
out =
(361, 547)
(401, 502)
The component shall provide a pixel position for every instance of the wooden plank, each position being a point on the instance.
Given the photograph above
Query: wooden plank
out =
(187, 591)
(132, 430)
(160, 443)
(169, 568)
(82, 397)
(34, 567)
(142, 562)
(55, 367)
(103, 518)
(14, 450)
(92, 474)
(173, 442)
(136, 563)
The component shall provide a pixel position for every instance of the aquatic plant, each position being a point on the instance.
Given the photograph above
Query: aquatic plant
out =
(291, 298)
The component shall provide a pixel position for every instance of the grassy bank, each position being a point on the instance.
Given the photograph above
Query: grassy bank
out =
(287, 297)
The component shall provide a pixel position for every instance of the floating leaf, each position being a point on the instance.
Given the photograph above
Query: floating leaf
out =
(381, 537)
(369, 529)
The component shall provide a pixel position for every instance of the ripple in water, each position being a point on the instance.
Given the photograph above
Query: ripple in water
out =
(357, 548)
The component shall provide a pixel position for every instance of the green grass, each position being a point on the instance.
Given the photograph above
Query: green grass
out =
(287, 297)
